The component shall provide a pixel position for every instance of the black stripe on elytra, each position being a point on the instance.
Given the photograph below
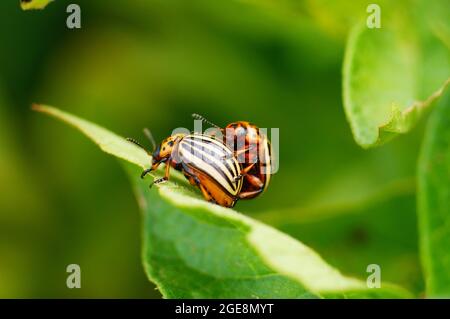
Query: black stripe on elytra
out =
(216, 144)
(225, 160)
(210, 141)
(219, 153)
(215, 166)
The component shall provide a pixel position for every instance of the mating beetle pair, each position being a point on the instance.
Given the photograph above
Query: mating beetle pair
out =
(211, 163)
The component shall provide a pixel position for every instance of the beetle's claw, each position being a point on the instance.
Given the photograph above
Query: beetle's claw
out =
(146, 172)
(158, 181)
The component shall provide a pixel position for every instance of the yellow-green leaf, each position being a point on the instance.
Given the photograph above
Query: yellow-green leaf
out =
(34, 4)
(391, 77)
(196, 249)
(434, 202)
(109, 142)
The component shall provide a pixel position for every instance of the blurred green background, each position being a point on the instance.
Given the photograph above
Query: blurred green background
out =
(136, 64)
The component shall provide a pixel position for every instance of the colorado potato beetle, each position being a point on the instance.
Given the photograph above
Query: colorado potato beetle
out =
(206, 162)
(252, 149)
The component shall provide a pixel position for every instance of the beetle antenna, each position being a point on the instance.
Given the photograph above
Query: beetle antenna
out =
(149, 135)
(201, 118)
(132, 140)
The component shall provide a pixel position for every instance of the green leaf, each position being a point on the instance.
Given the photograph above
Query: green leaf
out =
(34, 4)
(109, 142)
(434, 202)
(391, 77)
(196, 249)
(215, 252)
(361, 231)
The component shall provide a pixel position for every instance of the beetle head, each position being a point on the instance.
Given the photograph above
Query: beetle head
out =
(163, 151)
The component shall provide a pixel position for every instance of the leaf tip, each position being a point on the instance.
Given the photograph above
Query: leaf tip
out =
(36, 107)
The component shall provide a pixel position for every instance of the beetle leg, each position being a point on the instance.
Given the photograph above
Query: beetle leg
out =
(148, 170)
(189, 174)
(163, 179)
(191, 180)
(205, 193)
(250, 194)
(239, 152)
(247, 169)
(196, 182)
(158, 181)
(244, 172)
(145, 172)
(254, 181)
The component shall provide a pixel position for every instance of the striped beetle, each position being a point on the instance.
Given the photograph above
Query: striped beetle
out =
(242, 137)
(205, 162)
